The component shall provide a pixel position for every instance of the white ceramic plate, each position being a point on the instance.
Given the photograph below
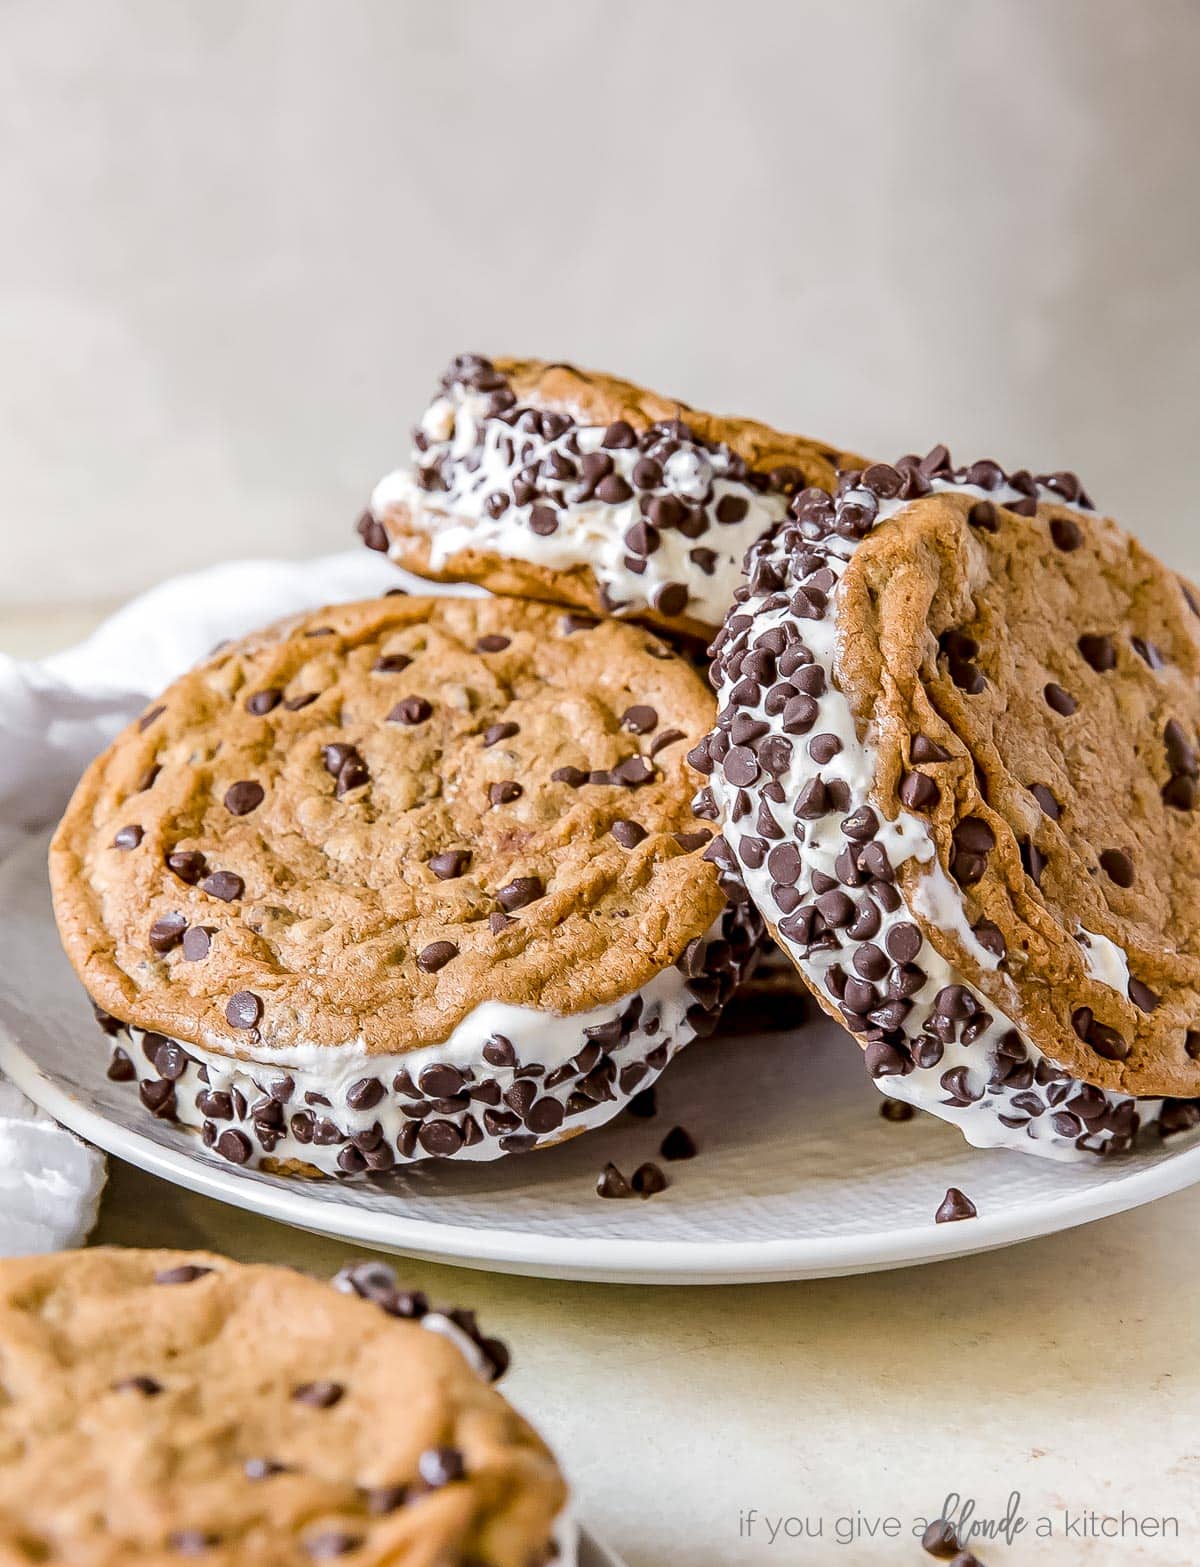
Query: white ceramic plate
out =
(798, 1175)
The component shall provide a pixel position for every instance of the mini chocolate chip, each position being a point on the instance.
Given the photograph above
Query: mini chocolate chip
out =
(391, 664)
(923, 749)
(1142, 996)
(497, 732)
(243, 797)
(504, 793)
(440, 1466)
(644, 1106)
(492, 643)
(648, 1180)
(678, 1144)
(639, 719)
(197, 941)
(435, 956)
(187, 864)
(234, 1146)
(1147, 652)
(148, 718)
(331, 1543)
(320, 1395)
(127, 837)
(991, 938)
(939, 1538)
(264, 1468)
(243, 1009)
(611, 1183)
(262, 702)
(1117, 866)
(984, 515)
(1100, 652)
(896, 1110)
(520, 892)
(185, 1273)
(226, 885)
(1066, 533)
(449, 863)
(167, 932)
(1060, 700)
(919, 792)
(955, 1205)
(140, 1384)
(573, 777)
(628, 834)
(1046, 800)
(412, 710)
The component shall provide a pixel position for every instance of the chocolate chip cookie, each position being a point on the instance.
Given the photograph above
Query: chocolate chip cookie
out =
(556, 483)
(957, 768)
(405, 879)
(149, 1414)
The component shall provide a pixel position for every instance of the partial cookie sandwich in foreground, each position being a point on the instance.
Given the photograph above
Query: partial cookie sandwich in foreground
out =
(413, 878)
(956, 766)
(550, 482)
(151, 1415)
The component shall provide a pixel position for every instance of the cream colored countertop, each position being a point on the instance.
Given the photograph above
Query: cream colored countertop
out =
(1067, 1370)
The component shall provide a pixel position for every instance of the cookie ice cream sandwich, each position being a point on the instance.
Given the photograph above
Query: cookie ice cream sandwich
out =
(956, 765)
(549, 482)
(408, 879)
(150, 1415)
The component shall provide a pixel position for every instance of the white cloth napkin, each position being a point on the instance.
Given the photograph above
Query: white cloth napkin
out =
(54, 717)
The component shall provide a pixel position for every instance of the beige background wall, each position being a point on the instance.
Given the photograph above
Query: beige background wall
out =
(240, 239)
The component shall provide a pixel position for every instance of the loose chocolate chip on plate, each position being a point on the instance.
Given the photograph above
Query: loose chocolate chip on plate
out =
(611, 1183)
(955, 1205)
(649, 1180)
(940, 1539)
(678, 1144)
(896, 1110)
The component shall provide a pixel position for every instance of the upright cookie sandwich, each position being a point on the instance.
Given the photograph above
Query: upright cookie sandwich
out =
(405, 879)
(151, 1414)
(556, 483)
(956, 766)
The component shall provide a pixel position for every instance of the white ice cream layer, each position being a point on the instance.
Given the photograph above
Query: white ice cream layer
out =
(589, 533)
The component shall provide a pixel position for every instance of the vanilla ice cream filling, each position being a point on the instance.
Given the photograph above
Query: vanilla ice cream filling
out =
(509, 1078)
(475, 456)
(997, 1087)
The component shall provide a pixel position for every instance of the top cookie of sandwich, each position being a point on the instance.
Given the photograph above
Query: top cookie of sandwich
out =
(364, 823)
(163, 1405)
(1024, 682)
(557, 483)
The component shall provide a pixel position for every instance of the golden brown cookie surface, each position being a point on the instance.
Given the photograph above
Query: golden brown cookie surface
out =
(559, 483)
(956, 764)
(365, 824)
(151, 1414)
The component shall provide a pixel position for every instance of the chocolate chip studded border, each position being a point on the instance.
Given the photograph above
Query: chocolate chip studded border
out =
(557, 483)
(508, 1081)
(794, 782)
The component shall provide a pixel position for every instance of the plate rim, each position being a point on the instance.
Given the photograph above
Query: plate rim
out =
(597, 1259)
